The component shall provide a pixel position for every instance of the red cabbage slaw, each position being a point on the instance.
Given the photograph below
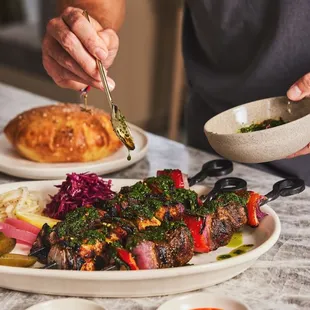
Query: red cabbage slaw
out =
(77, 191)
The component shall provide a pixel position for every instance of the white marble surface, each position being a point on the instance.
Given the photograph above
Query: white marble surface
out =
(279, 280)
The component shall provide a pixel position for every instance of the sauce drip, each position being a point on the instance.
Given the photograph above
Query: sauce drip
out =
(236, 252)
(236, 240)
(128, 156)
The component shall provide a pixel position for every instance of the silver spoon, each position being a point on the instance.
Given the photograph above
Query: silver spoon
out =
(118, 120)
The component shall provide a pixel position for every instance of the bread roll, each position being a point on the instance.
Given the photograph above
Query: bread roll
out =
(62, 133)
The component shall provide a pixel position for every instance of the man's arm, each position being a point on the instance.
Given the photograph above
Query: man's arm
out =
(109, 13)
(71, 43)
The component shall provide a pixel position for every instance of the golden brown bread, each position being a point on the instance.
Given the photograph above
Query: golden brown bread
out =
(62, 133)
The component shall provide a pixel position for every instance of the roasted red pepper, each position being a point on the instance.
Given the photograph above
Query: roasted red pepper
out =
(127, 258)
(198, 227)
(253, 207)
(176, 176)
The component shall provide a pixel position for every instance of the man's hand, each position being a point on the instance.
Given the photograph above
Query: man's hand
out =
(298, 91)
(70, 47)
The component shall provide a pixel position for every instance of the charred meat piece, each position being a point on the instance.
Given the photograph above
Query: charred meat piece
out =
(213, 224)
(170, 213)
(225, 222)
(173, 248)
(78, 241)
(43, 243)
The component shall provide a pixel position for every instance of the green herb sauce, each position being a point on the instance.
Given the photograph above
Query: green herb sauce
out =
(77, 227)
(220, 200)
(269, 123)
(157, 234)
(236, 252)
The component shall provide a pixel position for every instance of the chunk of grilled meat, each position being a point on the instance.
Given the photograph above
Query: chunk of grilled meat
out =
(175, 249)
(224, 216)
(225, 222)
(88, 257)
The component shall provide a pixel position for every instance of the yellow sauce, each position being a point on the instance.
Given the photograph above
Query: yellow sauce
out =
(236, 240)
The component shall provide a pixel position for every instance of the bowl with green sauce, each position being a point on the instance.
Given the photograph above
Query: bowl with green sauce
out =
(260, 131)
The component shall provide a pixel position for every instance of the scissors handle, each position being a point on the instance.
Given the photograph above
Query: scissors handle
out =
(226, 185)
(213, 168)
(286, 187)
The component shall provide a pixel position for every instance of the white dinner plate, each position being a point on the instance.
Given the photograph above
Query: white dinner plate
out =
(13, 164)
(66, 304)
(205, 269)
(201, 301)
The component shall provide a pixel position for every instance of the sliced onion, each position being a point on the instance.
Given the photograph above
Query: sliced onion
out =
(22, 200)
(22, 225)
(18, 234)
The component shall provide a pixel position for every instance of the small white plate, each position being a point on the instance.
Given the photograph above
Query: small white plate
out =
(13, 164)
(201, 301)
(66, 304)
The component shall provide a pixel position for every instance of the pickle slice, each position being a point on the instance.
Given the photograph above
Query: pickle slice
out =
(6, 244)
(17, 260)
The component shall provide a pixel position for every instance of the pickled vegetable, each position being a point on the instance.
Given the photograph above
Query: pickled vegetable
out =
(6, 244)
(17, 260)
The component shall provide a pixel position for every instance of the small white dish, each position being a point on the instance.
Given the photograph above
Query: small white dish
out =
(13, 164)
(201, 301)
(66, 304)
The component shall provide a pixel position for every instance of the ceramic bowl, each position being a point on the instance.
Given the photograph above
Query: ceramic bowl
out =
(66, 304)
(264, 145)
(198, 301)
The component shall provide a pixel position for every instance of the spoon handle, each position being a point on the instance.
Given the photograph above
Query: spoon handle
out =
(105, 82)
(102, 73)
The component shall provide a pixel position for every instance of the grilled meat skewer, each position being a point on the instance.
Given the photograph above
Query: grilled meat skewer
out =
(156, 223)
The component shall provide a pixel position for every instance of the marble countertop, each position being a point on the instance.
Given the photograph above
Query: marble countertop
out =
(280, 279)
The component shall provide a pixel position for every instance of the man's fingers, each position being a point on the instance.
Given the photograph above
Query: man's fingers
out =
(52, 48)
(86, 32)
(300, 89)
(304, 151)
(65, 78)
(72, 45)
(110, 38)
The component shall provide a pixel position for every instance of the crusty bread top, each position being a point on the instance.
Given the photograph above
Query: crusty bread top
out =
(62, 133)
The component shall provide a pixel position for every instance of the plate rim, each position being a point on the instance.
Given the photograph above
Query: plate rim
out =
(136, 275)
(35, 172)
(43, 304)
(204, 294)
